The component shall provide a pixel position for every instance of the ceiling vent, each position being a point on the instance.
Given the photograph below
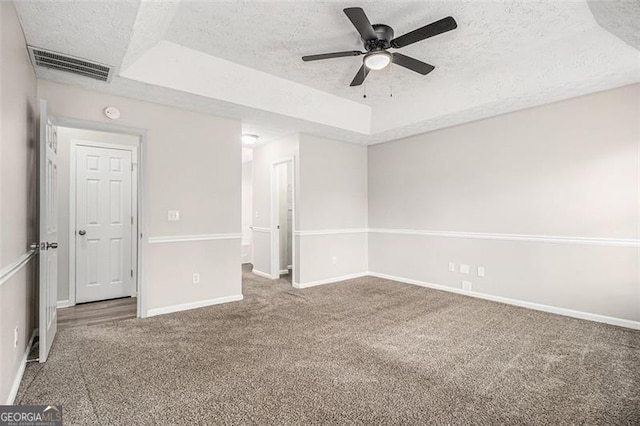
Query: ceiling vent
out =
(71, 64)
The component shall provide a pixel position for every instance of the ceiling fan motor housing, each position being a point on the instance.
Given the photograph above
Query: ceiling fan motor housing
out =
(384, 34)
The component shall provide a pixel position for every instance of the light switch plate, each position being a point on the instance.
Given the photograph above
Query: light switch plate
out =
(466, 285)
(173, 215)
(481, 271)
(452, 267)
(465, 269)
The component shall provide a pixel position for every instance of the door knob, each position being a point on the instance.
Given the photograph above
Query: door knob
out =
(82, 232)
(52, 245)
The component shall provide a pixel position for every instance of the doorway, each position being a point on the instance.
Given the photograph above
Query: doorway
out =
(99, 223)
(283, 220)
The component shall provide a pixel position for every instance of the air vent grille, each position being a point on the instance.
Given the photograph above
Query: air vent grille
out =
(70, 64)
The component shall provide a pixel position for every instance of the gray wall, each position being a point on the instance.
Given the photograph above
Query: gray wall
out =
(65, 136)
(18, 195)
(332, 209)
(568, 169)
(192, 163)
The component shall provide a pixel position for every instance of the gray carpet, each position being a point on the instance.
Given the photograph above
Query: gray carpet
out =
(365, 351)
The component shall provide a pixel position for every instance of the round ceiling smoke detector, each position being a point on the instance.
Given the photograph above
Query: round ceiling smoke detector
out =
(112, 112)
(377, 60)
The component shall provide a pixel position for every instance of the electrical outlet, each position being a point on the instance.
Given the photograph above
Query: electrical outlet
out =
(466, 285)
(452, 267)
(334, 260)
(481, 271)
(15, 338)
(257, 214)
(465, 269)
(173, 215)
(196, 278)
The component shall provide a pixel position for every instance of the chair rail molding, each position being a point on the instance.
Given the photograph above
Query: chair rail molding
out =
(616, 242)
(196, 237)
(331, 231)
(11, 269)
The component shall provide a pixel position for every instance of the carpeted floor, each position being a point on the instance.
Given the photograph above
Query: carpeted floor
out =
(365, 351)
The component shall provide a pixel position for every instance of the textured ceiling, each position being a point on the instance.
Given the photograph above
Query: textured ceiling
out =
(504, 56)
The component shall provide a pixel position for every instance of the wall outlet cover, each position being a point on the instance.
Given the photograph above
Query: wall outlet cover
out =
(465, 269)
(452, 267)
(334, 260)
(466, 285)
(196, 278)
(173, 215)
(481, 271)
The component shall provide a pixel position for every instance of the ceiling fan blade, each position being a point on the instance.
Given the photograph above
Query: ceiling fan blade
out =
(359, 20)
(360, 76)
(331, 55)
(433, 29)
(412, 64)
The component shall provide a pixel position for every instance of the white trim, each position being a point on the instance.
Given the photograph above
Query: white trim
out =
(617, 242)
(530, 305)
(259, 229)
(261, 274)
(284, 271)
(193, 305)
(64, 304)
(11, 398)
(11, 269)
(187, 238)
(332, 231)
(330, 280)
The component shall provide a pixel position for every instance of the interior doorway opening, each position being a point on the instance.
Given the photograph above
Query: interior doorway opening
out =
(283, 220)
(99, 222)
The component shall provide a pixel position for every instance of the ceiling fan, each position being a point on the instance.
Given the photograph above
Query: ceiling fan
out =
(379, 37)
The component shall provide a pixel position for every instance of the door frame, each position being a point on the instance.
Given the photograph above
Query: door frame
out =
(73, 146)
(275, 212)
(140, 221)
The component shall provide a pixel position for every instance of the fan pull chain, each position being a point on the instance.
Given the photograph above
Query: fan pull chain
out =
(364, 89)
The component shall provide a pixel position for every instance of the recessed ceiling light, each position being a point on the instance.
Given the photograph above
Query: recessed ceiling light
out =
(249, 139)
(377, 60)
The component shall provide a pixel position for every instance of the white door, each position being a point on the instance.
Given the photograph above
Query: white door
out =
(48, 275)
(104, 223)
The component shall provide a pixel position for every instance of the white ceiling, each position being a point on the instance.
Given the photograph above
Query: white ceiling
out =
(504, 56)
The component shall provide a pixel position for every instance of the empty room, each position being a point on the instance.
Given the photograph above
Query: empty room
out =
(293, 213)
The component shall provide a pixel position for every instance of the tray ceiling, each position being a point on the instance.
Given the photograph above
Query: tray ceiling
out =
(242, 59)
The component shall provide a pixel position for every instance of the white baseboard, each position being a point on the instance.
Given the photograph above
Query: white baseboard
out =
(63, 304)
(284, 271)
(23, 365)
(193, 305)
(531, 305)
(330, 280)
(262, 274)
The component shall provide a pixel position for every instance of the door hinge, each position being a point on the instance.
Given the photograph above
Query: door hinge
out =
(132, 220)
(132, 273)
(131, 166)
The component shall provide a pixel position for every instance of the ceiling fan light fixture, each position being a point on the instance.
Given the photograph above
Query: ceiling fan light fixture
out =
(377, 60)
